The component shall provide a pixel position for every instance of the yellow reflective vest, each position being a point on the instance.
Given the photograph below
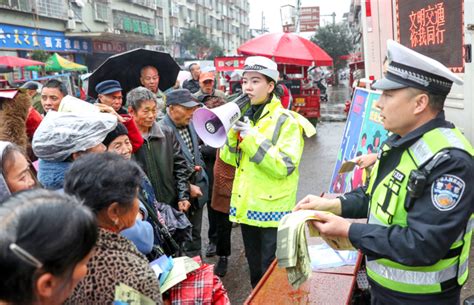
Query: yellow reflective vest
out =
(387, 208)
(266, 161)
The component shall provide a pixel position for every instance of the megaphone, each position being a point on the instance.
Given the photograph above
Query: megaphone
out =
(212, 125)
(72, 104)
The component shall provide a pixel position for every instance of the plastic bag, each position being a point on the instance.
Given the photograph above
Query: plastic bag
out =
(60, 134)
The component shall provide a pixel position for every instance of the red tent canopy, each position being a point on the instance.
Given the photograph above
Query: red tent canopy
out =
(14, 62)
(286, 48)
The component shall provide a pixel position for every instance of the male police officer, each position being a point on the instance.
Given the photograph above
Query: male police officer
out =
(419, 198)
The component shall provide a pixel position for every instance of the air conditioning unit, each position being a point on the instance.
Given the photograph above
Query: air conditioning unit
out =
(188, 20)
(79, 3)
(70, 14)
(71, 24)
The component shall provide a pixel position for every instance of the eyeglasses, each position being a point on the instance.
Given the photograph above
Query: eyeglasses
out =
(25, 256)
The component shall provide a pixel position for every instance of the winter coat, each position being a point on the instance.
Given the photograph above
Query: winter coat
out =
(162, 160)
(115, 261)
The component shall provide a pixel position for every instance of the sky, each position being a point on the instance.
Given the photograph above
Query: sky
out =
(271, 9)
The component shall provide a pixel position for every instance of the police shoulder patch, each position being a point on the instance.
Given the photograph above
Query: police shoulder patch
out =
(446, 192)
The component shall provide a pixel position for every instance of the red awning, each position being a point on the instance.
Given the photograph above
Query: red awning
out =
(286, 48)
(14, 62)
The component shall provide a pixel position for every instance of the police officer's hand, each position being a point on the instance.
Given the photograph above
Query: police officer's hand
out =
(312, 202)
(330, 225)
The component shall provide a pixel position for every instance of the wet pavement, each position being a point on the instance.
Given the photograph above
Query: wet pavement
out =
(316, 168)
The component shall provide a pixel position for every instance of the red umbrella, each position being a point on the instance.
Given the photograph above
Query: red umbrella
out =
(13, 62)
(286, 48)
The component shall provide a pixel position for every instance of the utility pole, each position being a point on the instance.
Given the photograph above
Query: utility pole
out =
(297, 17)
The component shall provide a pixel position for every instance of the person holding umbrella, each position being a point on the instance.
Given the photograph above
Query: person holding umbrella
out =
(150, 79)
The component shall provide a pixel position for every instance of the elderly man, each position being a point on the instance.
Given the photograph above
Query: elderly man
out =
(160, 156)
(193, 84)
(52, 93)
(150, 79)
(206, 84)
(419, 198)
(110, 94)
(181, 105)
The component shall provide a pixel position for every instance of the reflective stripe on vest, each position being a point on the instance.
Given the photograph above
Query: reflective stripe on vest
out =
(387, 208)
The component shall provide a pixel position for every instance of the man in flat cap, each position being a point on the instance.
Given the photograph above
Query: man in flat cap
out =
(180, 108)
(419, 198)
(109, 92)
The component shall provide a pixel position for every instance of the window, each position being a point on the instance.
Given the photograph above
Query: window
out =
(52, 8)
(77, 12)
(101, 12)
(147, 3)
(20, 5)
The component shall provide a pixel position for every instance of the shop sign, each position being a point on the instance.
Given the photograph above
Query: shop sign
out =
(100, 46)
(133, 25)
(25, 38)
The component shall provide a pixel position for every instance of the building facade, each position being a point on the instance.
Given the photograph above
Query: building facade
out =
(89, 31)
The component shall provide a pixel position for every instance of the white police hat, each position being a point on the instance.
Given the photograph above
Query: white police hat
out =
(262, 65)
(408, 68)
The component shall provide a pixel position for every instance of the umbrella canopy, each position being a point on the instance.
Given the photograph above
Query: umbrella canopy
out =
(14, 62)
(286, 48)
(57, 63)
(125, 68)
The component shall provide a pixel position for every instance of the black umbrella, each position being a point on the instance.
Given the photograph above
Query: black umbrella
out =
(125, 68)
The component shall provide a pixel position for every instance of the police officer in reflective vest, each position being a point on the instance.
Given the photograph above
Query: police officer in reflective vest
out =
(419, 201)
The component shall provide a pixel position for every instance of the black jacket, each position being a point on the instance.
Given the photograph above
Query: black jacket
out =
(161, 158)
(192, 85)
(198, 178)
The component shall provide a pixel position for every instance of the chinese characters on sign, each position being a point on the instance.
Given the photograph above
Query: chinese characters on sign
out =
(109, 46)
(19, 37)
(427, 26)
(433, 28)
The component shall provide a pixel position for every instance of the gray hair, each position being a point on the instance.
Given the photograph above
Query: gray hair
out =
(137, 96)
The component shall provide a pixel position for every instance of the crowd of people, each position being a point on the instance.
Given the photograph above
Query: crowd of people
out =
(114, 186)
(132, 179)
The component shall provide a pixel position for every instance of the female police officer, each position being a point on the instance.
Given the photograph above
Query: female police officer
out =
(266, 152)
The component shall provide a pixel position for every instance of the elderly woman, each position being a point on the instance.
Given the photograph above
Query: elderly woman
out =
(15, 174)
(46, 241)
(108, 184)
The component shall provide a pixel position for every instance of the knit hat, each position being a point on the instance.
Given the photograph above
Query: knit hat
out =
(120, 130)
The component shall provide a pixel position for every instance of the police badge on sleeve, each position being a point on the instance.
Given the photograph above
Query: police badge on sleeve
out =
(446, 192)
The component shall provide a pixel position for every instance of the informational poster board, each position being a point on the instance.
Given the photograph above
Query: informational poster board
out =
(363, 134)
